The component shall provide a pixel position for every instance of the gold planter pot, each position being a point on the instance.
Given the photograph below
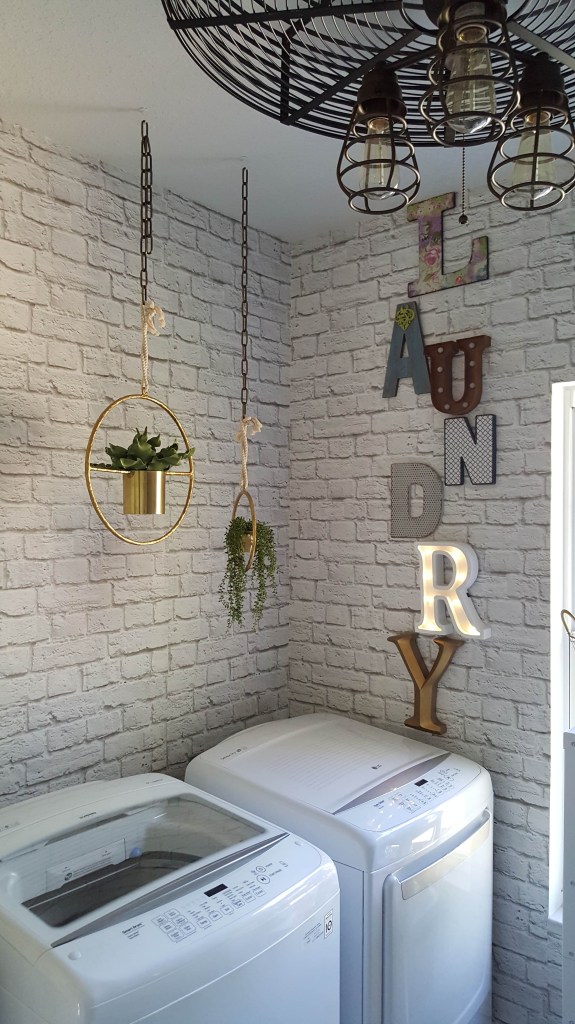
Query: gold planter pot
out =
(145, 492)
(248, 540)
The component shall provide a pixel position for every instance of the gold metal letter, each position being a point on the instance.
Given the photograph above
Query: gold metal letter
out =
(425, 682)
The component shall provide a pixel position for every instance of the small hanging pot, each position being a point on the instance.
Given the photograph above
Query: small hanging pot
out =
(145, 492)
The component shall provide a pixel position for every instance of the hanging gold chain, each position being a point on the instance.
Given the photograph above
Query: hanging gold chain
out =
(146, 240)
(244, 394)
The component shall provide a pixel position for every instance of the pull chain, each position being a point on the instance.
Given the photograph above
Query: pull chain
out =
(244, 335)
(146, 240)
(463, 218)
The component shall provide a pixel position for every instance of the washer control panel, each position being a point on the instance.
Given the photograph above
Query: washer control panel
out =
(397, 805)
(215, 903)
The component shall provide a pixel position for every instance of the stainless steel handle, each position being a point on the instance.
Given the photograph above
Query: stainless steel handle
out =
(421, 880)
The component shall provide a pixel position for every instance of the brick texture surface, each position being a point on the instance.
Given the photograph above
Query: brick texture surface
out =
(352, 586)
(116, 659)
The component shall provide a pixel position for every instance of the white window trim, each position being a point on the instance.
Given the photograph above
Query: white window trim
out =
(562, 596)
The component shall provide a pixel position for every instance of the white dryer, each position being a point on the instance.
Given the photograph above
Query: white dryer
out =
(144, 900)
(409, 827)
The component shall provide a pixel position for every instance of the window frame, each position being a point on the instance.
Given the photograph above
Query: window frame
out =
(562, 595)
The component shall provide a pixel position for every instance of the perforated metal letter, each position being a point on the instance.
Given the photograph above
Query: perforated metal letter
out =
(466, 449)
(404, 476)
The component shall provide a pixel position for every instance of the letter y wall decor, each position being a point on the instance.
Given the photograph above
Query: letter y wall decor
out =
(425, 680)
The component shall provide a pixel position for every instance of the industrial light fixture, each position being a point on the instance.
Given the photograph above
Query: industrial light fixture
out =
(429, 72)
(533, 165)
(377, 168)
(473, 77)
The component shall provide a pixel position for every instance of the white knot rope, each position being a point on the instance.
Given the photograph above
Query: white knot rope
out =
(249, 426)
(149, 312)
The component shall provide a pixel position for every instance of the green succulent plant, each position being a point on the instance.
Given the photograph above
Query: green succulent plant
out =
(233, 586)
(144, 453)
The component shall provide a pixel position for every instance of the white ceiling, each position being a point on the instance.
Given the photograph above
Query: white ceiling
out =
(83, 72)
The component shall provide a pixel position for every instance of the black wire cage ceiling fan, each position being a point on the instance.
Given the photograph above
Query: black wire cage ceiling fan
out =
(389, 76)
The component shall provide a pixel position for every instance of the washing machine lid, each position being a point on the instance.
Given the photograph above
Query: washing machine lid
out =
(73, 861)
(324, 761)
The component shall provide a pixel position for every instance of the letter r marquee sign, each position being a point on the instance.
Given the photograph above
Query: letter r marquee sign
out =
(439, 598)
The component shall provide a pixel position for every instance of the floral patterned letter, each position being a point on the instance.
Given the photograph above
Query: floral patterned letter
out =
(429, 215)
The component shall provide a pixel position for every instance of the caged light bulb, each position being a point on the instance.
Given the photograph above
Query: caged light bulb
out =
(470, 95)
(381, 174)
(534, 173)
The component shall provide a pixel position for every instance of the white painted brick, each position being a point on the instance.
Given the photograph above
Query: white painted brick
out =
(526, 308)
(72, 246)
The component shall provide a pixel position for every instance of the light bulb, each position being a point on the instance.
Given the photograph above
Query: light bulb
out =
(381, 174)
(529, 181)
(470, 88)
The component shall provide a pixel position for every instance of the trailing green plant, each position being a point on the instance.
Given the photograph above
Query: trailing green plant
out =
(233, 586)
(144, 453)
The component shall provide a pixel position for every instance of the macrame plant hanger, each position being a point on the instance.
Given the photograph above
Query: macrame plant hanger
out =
(143, 490)
(248, 425)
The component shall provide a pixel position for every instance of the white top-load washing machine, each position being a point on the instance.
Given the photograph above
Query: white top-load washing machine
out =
(143, 900)
(409, 827)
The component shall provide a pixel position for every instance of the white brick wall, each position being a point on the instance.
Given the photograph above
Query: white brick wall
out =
(351, 586)
(115, 659)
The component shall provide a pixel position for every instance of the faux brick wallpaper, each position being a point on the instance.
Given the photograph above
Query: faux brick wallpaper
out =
(116, 659)
(351, 586)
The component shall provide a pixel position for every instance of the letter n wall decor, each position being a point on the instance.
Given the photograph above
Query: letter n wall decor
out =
(470, 450)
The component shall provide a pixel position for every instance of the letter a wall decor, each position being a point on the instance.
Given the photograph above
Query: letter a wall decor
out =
(429, 216)
(404, 476)
(440, 358)
(406, 337)
(466, 449)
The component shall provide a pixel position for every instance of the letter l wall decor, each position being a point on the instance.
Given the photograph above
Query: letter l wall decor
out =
(429, 216)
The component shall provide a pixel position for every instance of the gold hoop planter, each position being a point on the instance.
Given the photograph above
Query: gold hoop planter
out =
(140, 496)
(250, 538)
